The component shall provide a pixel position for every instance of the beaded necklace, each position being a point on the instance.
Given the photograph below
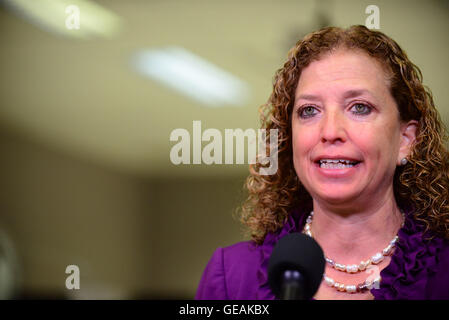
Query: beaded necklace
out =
(354, 268)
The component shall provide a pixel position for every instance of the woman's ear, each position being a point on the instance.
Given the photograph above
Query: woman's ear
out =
(408, 137)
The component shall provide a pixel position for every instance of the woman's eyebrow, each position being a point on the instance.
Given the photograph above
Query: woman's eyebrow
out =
(307, 97)
(347, 95)
(356, 93)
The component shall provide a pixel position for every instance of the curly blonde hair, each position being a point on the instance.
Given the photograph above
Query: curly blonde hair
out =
(422, 183)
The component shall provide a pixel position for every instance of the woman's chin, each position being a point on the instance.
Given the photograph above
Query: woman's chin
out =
(337, 196)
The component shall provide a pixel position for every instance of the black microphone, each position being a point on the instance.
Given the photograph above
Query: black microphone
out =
(296, 267)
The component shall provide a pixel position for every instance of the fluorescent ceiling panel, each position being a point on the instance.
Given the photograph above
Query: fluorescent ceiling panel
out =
(52, 15)
(192, 76)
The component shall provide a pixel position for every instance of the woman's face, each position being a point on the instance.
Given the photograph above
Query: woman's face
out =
(344, 111)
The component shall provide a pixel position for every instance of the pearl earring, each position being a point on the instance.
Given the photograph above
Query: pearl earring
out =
(404, 161)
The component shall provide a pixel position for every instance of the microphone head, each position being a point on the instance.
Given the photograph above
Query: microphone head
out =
(297, 251)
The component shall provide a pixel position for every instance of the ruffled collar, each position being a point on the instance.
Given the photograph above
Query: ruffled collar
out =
(404, 278)
(413, 261)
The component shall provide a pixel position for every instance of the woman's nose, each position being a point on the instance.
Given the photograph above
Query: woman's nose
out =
(333, 127)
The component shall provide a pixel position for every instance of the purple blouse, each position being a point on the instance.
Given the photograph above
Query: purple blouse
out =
(419, 269)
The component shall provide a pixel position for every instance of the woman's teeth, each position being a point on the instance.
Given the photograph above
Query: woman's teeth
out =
(336, 164)
(326, 165)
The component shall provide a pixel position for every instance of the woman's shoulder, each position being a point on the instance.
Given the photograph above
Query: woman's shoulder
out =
(241, 252)
(231, 273)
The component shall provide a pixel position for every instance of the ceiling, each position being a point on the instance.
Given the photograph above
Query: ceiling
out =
(82, 97)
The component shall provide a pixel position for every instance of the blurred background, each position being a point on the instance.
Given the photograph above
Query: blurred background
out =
(88, 100)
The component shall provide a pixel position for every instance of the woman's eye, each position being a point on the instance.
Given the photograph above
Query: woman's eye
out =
(361, 109)
(307, 112)
(357, 109)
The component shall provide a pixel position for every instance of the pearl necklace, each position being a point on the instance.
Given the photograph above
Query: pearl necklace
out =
(363, 265)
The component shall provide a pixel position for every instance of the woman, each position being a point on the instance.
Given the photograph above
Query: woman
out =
(362, 168)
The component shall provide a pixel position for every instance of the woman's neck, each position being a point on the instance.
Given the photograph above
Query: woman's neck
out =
(350, 237)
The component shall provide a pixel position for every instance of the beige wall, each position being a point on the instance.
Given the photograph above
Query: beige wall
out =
(130, 237)
(191, 218)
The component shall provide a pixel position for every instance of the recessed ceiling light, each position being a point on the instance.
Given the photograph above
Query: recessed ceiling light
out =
(193, 76)
(71, 18)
